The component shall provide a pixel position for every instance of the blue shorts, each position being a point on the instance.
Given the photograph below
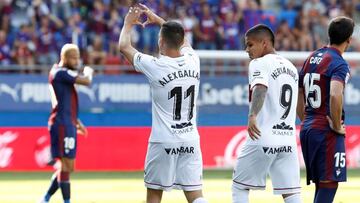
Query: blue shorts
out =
(63, 141)
(324, 155)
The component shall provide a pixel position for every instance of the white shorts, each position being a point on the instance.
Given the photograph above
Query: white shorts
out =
(174, 166)
(280, 162)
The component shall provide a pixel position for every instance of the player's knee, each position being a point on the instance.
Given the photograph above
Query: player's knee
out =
(200, 200)
(239, 195)
(328, 184)
(292, 198)
(64, 176)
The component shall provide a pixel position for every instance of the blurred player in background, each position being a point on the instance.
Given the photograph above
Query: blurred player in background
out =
(63, 121)
(173, 157)
(322, 81)
(271, 145)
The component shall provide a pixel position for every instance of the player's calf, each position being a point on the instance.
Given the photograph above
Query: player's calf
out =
(292, 198)
(326, 192)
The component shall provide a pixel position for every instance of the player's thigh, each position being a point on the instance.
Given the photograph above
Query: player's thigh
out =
(331, 163)
(252, 167)
(63, 141)
(285, 171)
(189, 168)
(160, 165)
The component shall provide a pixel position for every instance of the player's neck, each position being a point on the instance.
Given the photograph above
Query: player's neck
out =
(172, 53)
(341, 48)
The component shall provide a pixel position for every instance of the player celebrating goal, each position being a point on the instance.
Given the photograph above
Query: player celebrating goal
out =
(322, 81)
(63, 121)
(173, 158)
(271, 145)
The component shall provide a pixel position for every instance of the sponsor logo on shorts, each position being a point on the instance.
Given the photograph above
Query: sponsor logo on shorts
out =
(275, 150)
(180, 150)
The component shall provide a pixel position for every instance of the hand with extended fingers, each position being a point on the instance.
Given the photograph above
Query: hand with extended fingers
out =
(133, 16)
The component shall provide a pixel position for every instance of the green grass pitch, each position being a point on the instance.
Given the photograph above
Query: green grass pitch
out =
(121, 187)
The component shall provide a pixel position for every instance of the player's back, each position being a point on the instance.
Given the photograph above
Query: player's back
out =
(64, 98)
(319, 69)
(174, 86)
(276, 119)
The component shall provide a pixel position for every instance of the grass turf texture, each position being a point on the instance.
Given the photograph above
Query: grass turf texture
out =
(128, 187)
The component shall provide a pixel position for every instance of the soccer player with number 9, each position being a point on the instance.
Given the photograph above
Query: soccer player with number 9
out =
(320, 107)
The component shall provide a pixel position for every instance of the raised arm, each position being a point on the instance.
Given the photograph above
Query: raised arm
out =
(131, 19)
(86, 77)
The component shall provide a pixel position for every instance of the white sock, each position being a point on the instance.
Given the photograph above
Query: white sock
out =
(200, 200)
(295, 198)
(239, 195)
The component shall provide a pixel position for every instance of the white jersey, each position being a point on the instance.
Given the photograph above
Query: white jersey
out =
(174, 86)
(276, 119)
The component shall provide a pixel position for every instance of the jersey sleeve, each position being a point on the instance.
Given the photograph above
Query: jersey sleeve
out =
(67, 76)
(258, 73)
(145, 64)
(341, 73)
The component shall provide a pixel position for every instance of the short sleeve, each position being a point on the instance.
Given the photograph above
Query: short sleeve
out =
(145, 64)
(258, 73)
(341, 73)
(66, 76)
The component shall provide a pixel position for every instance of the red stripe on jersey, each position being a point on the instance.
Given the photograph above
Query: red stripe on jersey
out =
(330, 152)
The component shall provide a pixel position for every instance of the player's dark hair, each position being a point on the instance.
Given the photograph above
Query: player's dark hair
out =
(340, 29)
(173, 34)
(261, 30)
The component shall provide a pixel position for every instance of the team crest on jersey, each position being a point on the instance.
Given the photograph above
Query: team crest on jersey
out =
(338, 171)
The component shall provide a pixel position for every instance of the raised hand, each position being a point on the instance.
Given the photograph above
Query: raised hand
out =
(133, 16)
(151, 16)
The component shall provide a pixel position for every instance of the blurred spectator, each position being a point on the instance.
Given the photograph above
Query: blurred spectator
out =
(96, 52)
(115, 24)
(24, 46)
(289, 14)
(229, 32)
(226, 6)
(206, 29)
(36, 11)
(5, 12)
(252, 14)
(303, 34)
(46, 51)
(188, 22)
(285, 39)
(75, 31)
(61, 9)
(5, 49)
(97, 23)
(150, 34)
(314, 8)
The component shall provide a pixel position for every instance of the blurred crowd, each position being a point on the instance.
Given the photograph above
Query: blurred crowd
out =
(33, 31)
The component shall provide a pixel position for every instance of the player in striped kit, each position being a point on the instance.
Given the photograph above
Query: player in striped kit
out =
(63, 121)
(322, 82)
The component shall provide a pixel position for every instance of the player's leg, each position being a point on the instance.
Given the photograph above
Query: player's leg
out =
(195, 196)
(159, 170)
(250, 172)
(67, 167)
(285, 174)
(153, 196)
(55, 152)
(331, 165)
(326, 192)
(189, 171)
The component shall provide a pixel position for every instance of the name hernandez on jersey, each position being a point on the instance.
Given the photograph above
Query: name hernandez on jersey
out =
(276, 119)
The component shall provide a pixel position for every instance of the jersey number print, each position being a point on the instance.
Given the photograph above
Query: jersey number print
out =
(312, 90)
(176, 92)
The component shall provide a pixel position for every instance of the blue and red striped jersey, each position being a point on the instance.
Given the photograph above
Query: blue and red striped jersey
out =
(64, 98)
(320, 68)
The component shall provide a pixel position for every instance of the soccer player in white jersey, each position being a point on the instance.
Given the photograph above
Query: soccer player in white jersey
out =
(173, 158)
(271, 144)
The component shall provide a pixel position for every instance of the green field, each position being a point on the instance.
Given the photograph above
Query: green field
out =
(111, 187)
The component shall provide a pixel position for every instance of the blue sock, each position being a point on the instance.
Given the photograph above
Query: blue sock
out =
(65, 186)
(53, 187)
(326, 192)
